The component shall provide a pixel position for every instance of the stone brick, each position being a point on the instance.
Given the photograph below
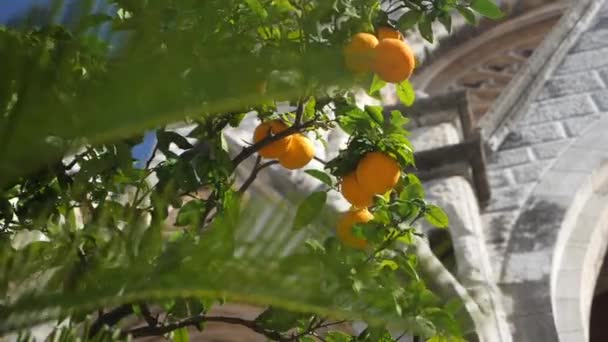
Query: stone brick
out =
(575, 127)
(585, 60)
(581, 159)
(571, 84)
(603, 73)
(512, 157)
(508, 198)
(550, 150)
(535, 134)
(560, 108)
(529, 173)
(592, 40)
(500, 178)
(601, 100)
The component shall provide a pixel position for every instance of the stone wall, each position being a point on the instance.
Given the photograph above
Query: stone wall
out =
(540, 177)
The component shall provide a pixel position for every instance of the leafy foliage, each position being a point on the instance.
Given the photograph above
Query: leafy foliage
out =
(172, 233)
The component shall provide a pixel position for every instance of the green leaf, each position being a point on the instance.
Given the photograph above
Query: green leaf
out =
(279, 319)
(454, 305)
(190, 213)
(377, 84)
(426, 29)
(354, 118)
(406, 93)
(320, 175)
(284, 6)
(446, 21)
(309, 109)
(181, 335)
(468, 15)
(413, 189)
(236, 119)
(391, 264)
(398, 120)
(337, 336)
(309, 209)
(437, 338)
(375, 112)
(165, 138)
(436, 216)
(487, 8)
(409, 20)
(257, 7)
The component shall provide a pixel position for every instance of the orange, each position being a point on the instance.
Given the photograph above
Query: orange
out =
(384, 32)
(352, 192)
(359, 52)
(300, 152)
(394, 60)
(346, 224)
(377, 173)
(276, 148)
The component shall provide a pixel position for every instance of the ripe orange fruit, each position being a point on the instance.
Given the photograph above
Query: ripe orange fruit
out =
(276, 148)
(384, 32)
(377, 173)
(359, 52)
(300, 152)
(394, 60)
(353, 193)
(345, 227)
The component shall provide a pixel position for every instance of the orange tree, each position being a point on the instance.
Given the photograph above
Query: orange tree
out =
(84, 229)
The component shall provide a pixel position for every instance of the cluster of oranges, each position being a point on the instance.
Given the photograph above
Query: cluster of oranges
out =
(375, 174)
(387, 55)
(393, 61)
(293, 151)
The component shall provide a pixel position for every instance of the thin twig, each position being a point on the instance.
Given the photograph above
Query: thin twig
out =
(392, 239)
(149, 161)
(254, 173)
(252, 176)
(320, 160)
(299, 112)
(210, 204)
(331, 323)
(395, 9)
(145, 311)
(400, 336)
(313, 327)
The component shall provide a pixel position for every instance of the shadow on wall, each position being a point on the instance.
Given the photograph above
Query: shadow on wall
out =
(536, 227)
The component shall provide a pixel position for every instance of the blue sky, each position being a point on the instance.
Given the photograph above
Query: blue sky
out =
(14, 8)
(10, 8)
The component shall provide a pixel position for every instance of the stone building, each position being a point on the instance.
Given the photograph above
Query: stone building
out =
(510, 128)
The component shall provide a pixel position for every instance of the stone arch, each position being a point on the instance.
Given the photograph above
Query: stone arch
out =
(581, 245)
(485, 63)
(558, 244)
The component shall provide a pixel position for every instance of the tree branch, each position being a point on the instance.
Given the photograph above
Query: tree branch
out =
(196, 320)
(111, 318)
(248, 151)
